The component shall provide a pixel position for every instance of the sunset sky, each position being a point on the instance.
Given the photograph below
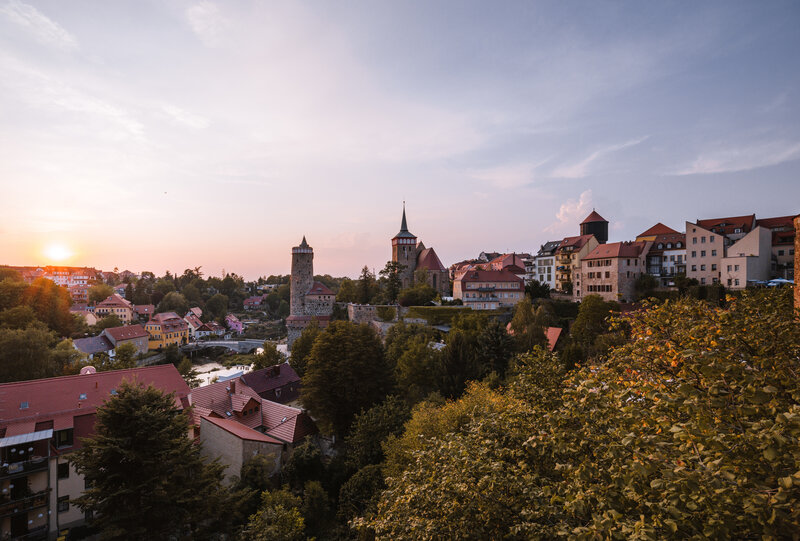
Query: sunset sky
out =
(166, 135)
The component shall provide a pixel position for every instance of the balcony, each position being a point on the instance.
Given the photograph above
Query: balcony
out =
(27, 466)
(487, 288)
(26, 503)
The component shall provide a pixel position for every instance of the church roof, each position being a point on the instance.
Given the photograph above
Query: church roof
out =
(427, 259)
(404, 232)
(593, 217)
(318, 288)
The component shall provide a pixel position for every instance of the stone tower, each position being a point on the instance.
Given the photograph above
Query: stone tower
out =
(302, 277)
(404, 251)
(596, 225)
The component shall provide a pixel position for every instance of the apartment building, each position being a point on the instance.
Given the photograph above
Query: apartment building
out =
(667, 255)
(41, 422)
(783, 235)
(165, 329)
(489, 289)
(568, 258)
(611, 270)
(544, 263)
(748, 259)
(115, 304)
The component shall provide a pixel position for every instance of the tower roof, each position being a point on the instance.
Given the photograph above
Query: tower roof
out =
(304, 244)
(593, 217)
(404, 232)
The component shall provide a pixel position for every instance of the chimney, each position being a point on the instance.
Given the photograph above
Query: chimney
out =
(233, 386)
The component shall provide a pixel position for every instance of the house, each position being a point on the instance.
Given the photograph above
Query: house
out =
(748, 259)
(254, 303)
(234, 443)
(41, 423)
(194, 323)
(553, 334)
(197, 311)
(611, 270)
(93, 345)
(212, 328)
(88, 316)
(165, 329)
(79, 292)
(233, 324)
(569, 254)
(783, 236)
(489, 289)
(544, 263)
(129, 334)
(279, 383)
(120, 290)
(115, 304)
(667, 256)
(143, 312)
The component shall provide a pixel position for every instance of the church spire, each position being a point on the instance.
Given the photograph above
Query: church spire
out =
(304, 244)
(403, 225)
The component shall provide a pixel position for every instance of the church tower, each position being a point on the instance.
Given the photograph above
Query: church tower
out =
(302, 277)
(404, 251)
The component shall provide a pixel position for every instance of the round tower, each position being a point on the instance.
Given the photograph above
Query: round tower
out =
(596, 225)
(404, 251)
(302, 276)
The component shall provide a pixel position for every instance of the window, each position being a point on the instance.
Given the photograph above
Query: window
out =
(678, 244)
(711, 238)
(694, 240)
(702, 280)
(729, 282)
(63, 504)
(702, 267)
(669, 246)
(714, 280)
(713, 266)
(63, 438)
(736, 268)
(608, 274)
(23, 405)
(702, 240)
(694, 268)
(780, 252)
(63, 470)
(713, 253)
(660, 246)
(737, 230)
(736, 282)
(702, 253)
(694, 254)
(729, 270)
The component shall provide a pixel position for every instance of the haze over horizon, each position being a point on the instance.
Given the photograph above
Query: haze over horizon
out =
(154, 136)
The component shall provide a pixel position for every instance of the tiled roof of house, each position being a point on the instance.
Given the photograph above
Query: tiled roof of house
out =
(428, 260)
(253, 301)
(548, 248)
(490, 276)
(270, 378)
(93, 344)
(575, 243)
(61, 398)
(193, 321)
(144, 309)
(241, 431)
(553, 334)
(169, 322)
(658, 229)
(128, 332)
(617, 249)
(211, 326)
(196, 310)
(318, 288)
(285, 422)
(776, 222)
(593, 217)
(726, 226)
(114, 301)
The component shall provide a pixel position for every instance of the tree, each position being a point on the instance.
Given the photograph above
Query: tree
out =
(26, 354)
(592, 321)
(346, 372)
(51, 303)
(99, 292)
(420, 294)
(11, 292)
(277, 519)
(391, 273)
(140, 463)
(304, 464)
(301, 349)
(371, 428)
(269, 357)
(528, 326)
(108, 322)
(315, 509)
(645, 285)
(18, 317)
(537, 290)
(348, 292)
(217, 306)
(360, 494)
(188, 373)
(367, 286)
(496, 347)
(129, 292)
(173, 302)
(125, 356)
(417, 369)
(254, 479)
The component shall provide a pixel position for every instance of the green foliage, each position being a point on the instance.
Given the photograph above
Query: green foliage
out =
(386, 313)
(371, 428)
(277, 519)
(537, 290)
(217, 306)
(367, 287)
(18, 317)
(346, 372)
(188, 373)
(645, 285)
(528, 326)
(348, 292)
(304, 464)
(301, 348)
(416, 371)
(689, 430)
(359, 495)
(140, 463)
(11, 292)
(594, 317)
(173, 302)
(495, 347)
(269, 357)
(99, 292)
(391, 274)
(284, 309)
(26, 353)
(420, 294)
(125, 356)
(254, 479)
(437, 315)
(316, 509)
(173, 355)
(108, 322)
(51, 304)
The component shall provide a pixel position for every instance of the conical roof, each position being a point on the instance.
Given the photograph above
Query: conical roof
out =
(404, 232)
(304, 244)
(593, 217)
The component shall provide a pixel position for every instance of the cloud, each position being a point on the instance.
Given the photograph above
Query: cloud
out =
(732, 160)
(581, 169)
(44, 29)
(571, 213)
(207, 22)
(509, 176)
(185, 117)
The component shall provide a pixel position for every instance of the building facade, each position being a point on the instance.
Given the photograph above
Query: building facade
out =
(165, 329)
(545, 263)
(568, 258)
(489, 289)
(308, 299)
(667, 255)
(611, 270)
(115, 304)
(415, 256)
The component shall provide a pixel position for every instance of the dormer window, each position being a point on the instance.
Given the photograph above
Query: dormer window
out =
(24, 405)
(660, 246)
(82, 396)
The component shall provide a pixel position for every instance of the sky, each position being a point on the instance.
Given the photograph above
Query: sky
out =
(169, 135)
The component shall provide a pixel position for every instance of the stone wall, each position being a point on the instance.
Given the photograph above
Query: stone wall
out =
(317, 307)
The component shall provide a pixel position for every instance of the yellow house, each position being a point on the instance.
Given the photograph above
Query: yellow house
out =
(115, 304)
(165, 329)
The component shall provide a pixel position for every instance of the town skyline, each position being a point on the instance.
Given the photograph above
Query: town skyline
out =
(154, 137)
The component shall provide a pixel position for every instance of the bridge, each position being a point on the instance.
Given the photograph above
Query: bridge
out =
(238, 346)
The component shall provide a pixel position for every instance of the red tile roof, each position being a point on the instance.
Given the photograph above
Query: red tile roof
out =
(241, 431)
(658, 229)
(491, 276)
(428, 260)
(726, 226)
(60, 398)
(553, 334)
(128, 332)
(575, 242)
(144, 309)
(593, 217)
(193, 321)
(318, 288)
(617, 249)
(169, 321)
(114, 301)
(271, 378)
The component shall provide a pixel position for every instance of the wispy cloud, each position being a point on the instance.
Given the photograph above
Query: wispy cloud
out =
(509, 176)
(581, 168)
(731, 160)
(43, 29)
(571, 213)
(185, 117)
(207, 22)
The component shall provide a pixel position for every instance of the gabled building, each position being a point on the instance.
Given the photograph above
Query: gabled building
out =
(234, 324)
(747, 260)
(489, 289)
(41, 423)
(194, 324)
(545, 263)
(143, 312)
(165, 329)
(115, 304)
(212, 328)
(279, 383)
(667, 255)
(783, 236)
(569, 254)
(129, 334)
(415, 256)
(611, 270)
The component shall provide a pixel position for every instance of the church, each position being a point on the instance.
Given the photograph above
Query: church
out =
(415, 256)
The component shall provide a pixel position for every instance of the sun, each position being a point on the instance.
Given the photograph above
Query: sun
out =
(57, 252)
